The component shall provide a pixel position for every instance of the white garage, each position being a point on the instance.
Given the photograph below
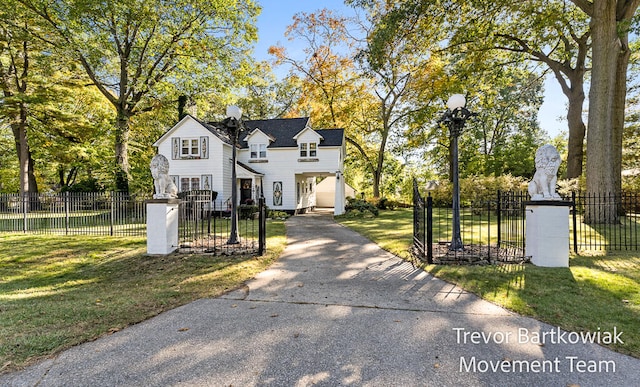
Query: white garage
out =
(325, 190)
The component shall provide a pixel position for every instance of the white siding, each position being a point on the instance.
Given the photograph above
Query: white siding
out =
(218, 151)
(281, 164)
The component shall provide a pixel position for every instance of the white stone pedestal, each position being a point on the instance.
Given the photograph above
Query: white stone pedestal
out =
(162, 226)
(547, 233)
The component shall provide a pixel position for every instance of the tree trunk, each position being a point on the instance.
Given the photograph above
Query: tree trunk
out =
(600, 169)
(577, 129)
(619, 102)
(122, 151)
(27, 176)
(376, 183)
(28, 183)
(23, 155)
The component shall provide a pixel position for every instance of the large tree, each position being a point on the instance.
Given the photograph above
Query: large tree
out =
(132, 49)
(18, 58)
(406, 75)
(373, 97)
(553, 33)
(556, 34)
(610, 22)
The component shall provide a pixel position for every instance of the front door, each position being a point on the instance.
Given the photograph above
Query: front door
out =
(245, 190)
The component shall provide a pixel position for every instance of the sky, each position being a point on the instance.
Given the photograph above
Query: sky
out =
(278, 14)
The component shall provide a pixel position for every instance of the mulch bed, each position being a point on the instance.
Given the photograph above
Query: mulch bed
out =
(476, 255)
(217, 245)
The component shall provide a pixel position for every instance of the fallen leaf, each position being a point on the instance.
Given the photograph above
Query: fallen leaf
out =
(183, 329)
(274, 315)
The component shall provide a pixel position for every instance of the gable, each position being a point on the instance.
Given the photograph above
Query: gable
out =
(257, 136)
(189, 126)
(307, 135)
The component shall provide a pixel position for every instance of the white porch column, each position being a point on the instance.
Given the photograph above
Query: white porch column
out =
(162, 226)
(339, 201)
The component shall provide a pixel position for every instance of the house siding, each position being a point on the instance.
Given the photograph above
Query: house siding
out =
(198, 167)
(282, 164)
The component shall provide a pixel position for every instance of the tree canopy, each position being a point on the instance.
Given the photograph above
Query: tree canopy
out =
(83, 81)
(139, 53)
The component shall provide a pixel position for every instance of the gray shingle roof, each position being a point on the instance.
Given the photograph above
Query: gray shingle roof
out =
(282, 130)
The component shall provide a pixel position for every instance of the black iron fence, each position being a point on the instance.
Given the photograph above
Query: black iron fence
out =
(494, 230)
(205, 225)
(74, 213)
(490, 230)
(605, 221)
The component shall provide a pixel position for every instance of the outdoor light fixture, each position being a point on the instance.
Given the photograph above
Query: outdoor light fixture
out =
(234, 112)
(455, 117)
(234, 126)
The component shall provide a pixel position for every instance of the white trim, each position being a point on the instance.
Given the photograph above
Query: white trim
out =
(304, 130)
(175, 128)
(255, 131)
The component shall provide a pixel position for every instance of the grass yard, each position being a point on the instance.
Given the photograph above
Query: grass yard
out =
(56, 291)
(595, 292)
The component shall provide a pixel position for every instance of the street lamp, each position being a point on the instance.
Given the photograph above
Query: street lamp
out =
(233, 122)
(455, 118)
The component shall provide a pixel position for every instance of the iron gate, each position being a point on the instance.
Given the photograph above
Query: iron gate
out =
(205, 225)
(490, 230)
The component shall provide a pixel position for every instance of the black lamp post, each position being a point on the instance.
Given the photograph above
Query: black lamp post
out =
(455, 118)
(233, 122)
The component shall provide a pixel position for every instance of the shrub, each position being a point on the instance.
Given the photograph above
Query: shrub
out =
(274, 214)
(246, 211)
(477, 189)
(361, 206)
(567, 186)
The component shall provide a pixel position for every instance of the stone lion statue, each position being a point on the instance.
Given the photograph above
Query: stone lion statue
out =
(543, 185)
(164, 186)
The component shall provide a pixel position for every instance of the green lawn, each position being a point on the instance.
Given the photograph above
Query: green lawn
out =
(595, 292)
(57, 291)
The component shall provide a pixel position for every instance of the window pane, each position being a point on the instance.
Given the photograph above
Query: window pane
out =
(194, 147)
(184, 184)
(185, 147)
(263, 150)
(312, 149)
(303, 150)
(254, 152)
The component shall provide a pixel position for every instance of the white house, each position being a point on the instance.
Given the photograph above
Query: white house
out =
(280, 158)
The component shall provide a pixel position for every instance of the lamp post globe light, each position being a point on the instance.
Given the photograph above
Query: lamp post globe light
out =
(455, 117)
(234, 126)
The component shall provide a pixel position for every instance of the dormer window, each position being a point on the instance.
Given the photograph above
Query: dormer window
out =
(258, 151)
(308, 149)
